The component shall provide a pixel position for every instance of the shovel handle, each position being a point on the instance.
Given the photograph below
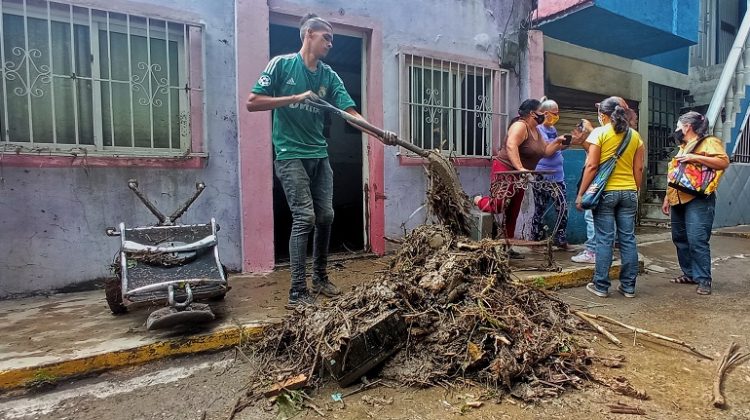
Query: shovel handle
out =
(364, 125)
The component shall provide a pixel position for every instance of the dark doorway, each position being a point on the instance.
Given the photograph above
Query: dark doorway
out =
(344, 150)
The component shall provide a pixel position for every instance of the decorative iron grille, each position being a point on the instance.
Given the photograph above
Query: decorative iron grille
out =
(664, 107)
(81, 78)
(455, 107)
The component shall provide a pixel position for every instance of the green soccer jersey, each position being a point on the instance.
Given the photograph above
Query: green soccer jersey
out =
(298, 128)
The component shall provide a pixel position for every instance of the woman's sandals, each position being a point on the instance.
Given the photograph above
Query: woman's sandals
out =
(683, 279)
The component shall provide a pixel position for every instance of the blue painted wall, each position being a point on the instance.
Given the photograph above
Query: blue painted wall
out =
(574, 160)
(677, 60)
(602, 30)
(655, 31)
(679, 17)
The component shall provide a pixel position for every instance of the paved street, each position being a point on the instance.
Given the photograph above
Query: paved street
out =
(678, 383)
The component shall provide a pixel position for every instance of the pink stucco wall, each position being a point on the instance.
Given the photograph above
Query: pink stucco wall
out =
(536, 64)
(254, 134)
(548, 8)
(254, 137)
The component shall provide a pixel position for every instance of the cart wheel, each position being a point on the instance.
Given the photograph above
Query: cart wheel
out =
(217, 298)
(113, 292)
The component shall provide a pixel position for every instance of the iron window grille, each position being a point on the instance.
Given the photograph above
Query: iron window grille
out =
(452, 106)
(102, 82)
(665, 104)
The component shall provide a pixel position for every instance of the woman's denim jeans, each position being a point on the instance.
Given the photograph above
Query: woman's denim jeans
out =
(590, 243)
(691, 231)
(615, 216)
(308, 186)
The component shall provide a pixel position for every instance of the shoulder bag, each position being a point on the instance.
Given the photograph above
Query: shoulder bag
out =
(693, 178)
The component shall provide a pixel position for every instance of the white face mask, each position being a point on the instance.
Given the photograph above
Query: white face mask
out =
(601, 120)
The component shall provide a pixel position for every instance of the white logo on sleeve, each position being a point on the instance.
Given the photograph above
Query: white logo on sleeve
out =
(290, 82)
(264, 81)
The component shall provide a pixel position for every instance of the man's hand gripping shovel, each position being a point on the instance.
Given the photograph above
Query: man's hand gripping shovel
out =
(387, 137)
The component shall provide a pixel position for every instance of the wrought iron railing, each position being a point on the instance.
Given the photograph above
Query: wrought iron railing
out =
(741, 153)
(731, 85)
(505, 185)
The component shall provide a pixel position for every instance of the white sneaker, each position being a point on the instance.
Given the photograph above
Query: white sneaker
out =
(585, 257)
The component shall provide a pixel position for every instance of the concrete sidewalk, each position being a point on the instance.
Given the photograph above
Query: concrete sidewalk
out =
(741, 231)
(47, 339)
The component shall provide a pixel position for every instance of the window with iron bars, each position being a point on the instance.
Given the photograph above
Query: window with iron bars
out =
(665, 104)
(454, 107)
(82, 79)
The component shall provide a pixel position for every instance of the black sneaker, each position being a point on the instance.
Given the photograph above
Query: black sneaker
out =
(297, 299)
(325, 287)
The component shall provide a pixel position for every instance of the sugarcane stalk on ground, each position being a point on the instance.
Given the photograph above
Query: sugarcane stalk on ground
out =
(621, 408)
(611, 337)
(648, 333)
(731, 358)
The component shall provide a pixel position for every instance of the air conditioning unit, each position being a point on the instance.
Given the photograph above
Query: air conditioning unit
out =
(481, 225)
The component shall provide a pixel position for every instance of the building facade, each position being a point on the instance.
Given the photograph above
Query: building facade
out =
(664, 58)
(98, 92)
(636, 50)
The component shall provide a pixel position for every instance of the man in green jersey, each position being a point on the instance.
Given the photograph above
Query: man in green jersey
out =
(301, 149)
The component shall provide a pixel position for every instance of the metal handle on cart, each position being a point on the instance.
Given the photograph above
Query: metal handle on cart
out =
(164, 220)
(112, 231)
(199, 187)
(133, 185)
(180, 305)
(132, 246)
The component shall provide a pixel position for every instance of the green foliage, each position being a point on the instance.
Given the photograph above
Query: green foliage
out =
(539, 282)
(289, 404)
(42, 379)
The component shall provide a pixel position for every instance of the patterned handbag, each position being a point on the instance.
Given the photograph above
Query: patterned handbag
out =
(593, 194)
(693, 178)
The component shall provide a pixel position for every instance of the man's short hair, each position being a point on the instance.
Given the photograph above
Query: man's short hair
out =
(312, 22)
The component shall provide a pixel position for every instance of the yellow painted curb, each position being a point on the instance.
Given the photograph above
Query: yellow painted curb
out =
(213, 341)
(570, 277)
(743, 235)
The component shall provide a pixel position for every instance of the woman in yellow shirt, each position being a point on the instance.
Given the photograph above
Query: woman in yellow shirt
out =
(616, 212)
(692, 216)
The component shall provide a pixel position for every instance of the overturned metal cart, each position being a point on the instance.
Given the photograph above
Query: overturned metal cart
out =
(167, 264)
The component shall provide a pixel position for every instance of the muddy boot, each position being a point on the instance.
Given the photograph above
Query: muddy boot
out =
(299, 298)
(325, 287)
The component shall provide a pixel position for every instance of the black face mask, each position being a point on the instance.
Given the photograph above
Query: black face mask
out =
(678, 136)
(539, 118)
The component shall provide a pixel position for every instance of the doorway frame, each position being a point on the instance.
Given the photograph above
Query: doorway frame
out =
(255, 155)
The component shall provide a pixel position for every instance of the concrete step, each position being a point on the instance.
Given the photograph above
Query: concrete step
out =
(659, 223)
(652, 211)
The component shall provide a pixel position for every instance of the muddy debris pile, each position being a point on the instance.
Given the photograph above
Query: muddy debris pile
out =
(445, 196)
(464, 322)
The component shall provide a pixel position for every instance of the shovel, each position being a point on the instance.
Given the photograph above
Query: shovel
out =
(440, 168)
(363, 125)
